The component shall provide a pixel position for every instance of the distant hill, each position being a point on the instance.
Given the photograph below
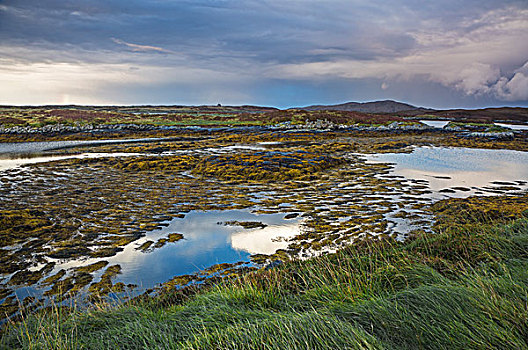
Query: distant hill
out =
(488, 114)
(406, 110)
(518, 114)
(387, 106)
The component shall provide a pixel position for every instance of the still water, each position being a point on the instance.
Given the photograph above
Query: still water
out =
(513, 126)
(13, 155)
(435, 123)
(441, 123)
(207, 241)
(13, 148)
(477, 170)
(16, 161)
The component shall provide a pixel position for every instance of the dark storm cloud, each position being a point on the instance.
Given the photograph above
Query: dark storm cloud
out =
(262, 31)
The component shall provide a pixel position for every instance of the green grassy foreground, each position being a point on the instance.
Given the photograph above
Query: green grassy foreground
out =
(465, 287)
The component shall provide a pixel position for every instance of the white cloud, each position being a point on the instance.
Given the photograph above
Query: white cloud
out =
(514, 89)
(473, 79)
(58, 83)
(469, 58)
(141, 48)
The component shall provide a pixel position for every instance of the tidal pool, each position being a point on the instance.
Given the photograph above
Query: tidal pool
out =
(435, 123)
(15, 154)
(441, 123)
(17, 160)
(10, 148)
(207, 241)
(343, 204)
(513, 126)
(461, 172)
(453, 172)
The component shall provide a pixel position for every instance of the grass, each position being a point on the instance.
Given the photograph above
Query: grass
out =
(200, 116)
(483, 127)
(465, 287)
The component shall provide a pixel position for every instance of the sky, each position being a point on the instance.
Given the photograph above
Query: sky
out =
(282, 53)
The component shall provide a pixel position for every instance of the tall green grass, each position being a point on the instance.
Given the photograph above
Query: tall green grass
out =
(465, 287)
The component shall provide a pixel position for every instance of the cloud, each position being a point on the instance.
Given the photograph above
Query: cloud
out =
(467, 58)
(515, 88)
(473, 79)
(82, 83)
(475, 48)
(141, 48)
(480, 79)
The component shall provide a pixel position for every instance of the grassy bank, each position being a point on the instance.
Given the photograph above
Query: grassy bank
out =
(466, 287)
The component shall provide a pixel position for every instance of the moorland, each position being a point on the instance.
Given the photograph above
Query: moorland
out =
(359, 253)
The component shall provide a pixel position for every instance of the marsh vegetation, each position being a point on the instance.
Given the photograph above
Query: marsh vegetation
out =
(463, 287)
(77, 229)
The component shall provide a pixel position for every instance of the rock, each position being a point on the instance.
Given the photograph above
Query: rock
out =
(274, 264)
(450, 127)
(61, 128)
(493, 135)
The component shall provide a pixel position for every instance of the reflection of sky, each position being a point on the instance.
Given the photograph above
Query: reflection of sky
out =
(13, 163)
(513, 126)
(13, 155)
(465, 166)
(205, 243)
(13, 148)
(266, 240)
(435, 123)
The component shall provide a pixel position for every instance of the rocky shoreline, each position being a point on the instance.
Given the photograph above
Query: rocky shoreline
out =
(318, 125)
(63, 128)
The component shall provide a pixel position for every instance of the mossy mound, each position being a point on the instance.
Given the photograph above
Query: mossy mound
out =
(15, 222)
(246, 224)
(480, 210)
(173, 163)
(105, 285)
(274, 165)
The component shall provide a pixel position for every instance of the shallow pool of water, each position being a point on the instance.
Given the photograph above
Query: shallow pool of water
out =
(207, 241)
(473, 169)
(435, 123)
(8, 163)
(8, 149)
(513, 126)
(13, 155)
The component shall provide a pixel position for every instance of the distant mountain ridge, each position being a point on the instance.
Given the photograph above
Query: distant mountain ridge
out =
(386, 106)
(519, 114)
